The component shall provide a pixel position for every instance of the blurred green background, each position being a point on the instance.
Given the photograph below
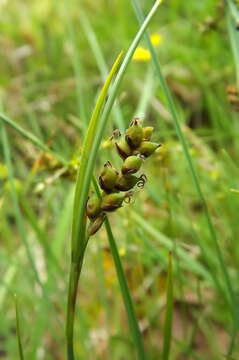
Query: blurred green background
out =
(55, 56)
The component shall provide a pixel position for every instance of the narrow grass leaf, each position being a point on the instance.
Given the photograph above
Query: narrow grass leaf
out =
(32, 138)
(167, 333)
(18, 329)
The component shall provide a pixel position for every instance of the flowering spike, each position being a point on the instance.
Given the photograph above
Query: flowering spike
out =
(133, 147)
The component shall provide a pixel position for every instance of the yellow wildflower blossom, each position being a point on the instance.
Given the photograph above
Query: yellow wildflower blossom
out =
(141, 54)
(155, 39)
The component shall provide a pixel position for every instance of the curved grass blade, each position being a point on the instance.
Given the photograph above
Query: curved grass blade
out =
(187, 263)
(167, 333)
(35, 140)
(19, 338)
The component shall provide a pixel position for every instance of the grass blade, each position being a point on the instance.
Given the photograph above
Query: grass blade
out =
(232, 17)
(128, 303)
(32, 138)
(167, 333)
(19, 340)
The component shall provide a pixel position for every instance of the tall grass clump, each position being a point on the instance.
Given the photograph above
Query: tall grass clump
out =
(88, 157)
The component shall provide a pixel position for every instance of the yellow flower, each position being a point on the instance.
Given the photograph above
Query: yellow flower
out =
(142, 54)
(156, 39)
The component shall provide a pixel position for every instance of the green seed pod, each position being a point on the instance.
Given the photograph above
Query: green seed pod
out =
(147, 148)
(134, 134)
(132, 164)
(123, 148)
(96, 224)
(108, 177)
(147, 132)
(126, 182)
(93, 207)
(111, 202)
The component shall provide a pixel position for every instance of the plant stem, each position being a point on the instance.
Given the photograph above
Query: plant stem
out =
(129, 307)
(75, 272)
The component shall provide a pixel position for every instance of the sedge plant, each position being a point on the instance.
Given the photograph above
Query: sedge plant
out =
(90, 147)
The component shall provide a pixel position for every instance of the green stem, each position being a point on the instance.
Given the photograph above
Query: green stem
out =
(75, 272)
(19, 340)
(128, 303)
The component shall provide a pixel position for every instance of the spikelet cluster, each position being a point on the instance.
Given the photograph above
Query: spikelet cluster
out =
(118, 186)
